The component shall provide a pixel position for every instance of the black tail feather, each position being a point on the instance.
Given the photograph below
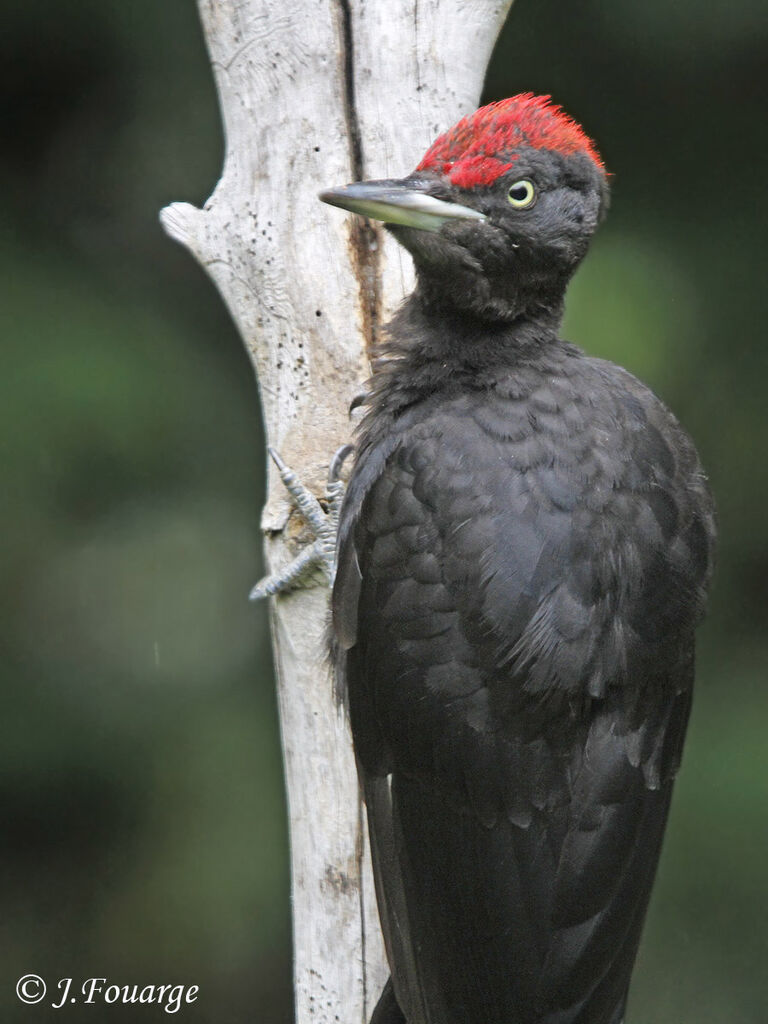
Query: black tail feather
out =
(388, 1009)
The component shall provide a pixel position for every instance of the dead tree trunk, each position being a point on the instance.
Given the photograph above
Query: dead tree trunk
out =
(314, 95)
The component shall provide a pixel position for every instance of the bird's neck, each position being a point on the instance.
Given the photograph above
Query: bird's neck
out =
(428, 350)
(512, 300)
(421, 333)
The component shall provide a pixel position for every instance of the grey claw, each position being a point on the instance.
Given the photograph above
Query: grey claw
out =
(305, 500)
(337, 462)
(289, 576)
(321, 554)
(359, 399)
(274, 454)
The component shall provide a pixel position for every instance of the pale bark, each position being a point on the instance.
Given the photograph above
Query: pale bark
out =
(315, 94)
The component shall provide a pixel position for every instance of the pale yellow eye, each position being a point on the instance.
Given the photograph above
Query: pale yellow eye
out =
(521, 194)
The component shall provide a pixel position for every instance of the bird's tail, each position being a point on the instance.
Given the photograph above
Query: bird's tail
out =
(388, 1009)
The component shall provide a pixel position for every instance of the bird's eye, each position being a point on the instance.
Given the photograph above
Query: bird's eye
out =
(521, 194)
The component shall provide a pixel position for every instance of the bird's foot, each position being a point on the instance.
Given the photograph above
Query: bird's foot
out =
(322, 519)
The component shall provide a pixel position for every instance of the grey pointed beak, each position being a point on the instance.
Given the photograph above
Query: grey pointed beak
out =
(405, 202)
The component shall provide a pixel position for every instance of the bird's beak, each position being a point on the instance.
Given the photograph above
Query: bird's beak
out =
(405, 202)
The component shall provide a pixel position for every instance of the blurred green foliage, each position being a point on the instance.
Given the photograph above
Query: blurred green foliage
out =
(144, 834)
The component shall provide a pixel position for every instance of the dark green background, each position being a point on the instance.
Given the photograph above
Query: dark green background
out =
(143, 820)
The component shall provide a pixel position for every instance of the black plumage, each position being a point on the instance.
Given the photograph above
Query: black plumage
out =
(523, 557)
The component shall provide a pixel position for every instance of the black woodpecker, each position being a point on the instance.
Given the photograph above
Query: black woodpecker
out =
(524, 553)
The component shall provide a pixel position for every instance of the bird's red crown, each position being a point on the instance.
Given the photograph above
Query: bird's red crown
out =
(480, 148)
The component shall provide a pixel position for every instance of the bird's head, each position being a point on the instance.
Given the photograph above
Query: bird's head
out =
(498, 213)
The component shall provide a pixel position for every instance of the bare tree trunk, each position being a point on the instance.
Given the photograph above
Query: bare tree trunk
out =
(315, 94)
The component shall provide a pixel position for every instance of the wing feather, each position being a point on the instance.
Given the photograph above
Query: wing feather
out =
(518, 708)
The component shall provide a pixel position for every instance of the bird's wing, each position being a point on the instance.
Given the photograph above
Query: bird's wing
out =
(515, 849)
(607, 861)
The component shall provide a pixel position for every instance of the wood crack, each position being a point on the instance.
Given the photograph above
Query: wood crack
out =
(365, 238)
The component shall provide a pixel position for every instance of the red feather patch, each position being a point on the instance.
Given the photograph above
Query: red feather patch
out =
(481, 147)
